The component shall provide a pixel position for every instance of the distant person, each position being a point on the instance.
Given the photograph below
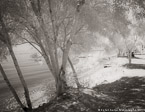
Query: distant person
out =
(132, 54)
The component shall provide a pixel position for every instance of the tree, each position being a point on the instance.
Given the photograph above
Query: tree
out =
(8, 9)
(3, 54)
(134, 11)
(45, 32)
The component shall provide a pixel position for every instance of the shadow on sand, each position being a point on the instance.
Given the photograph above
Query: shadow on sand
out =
(134, 66)
(127, 92)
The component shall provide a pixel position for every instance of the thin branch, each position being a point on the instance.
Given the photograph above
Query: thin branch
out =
(33, 46)
(31, 43)
(79, 29)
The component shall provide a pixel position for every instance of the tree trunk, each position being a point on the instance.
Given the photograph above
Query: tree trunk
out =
(74, 73)
(129, 56)
(61, 84)
(11, 88)
(66, 50)
(26, 91)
